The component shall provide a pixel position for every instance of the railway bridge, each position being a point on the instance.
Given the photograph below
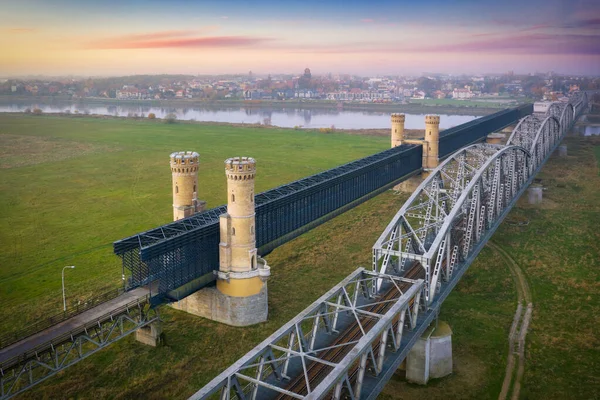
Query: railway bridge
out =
(415, 268)
(349, 343)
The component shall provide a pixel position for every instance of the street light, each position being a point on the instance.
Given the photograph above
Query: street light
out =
(63, 286)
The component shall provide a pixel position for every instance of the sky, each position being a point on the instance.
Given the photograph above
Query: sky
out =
(374, 37)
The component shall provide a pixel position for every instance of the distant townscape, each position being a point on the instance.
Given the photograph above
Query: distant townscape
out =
(504, 88)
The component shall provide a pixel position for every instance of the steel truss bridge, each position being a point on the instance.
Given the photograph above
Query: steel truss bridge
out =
(349, 342)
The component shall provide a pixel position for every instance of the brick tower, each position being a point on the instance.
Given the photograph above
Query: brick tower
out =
(432, 138)
(242, 274)
(397, 129)
(184, 168)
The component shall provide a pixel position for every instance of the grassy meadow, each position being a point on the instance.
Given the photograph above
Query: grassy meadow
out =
(69, 187)
(118, 183)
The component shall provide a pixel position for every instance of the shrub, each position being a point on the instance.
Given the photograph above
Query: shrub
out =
(151, 116)
(170, 118)
(28, 111)
(37, 111)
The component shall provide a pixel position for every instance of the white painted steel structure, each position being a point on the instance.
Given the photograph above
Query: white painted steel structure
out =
(265, 371)
(441, 228)
(449, 214)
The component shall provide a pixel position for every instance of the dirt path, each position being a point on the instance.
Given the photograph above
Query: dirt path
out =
(516, 336)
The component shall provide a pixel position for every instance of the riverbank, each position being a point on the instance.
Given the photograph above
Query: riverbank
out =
(410, 133)
(449, 106)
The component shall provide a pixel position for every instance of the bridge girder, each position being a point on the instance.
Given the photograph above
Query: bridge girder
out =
(462, 201)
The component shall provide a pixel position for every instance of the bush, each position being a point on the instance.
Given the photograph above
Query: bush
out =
(327, 130)
(170, 118)
(28, 111)
(151, 116)
(37, 111)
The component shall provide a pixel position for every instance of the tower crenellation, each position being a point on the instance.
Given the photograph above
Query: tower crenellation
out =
(432, 119)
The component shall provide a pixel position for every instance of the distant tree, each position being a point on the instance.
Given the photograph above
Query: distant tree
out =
(37, 111)
(170, 118)
(28, 111)
(151, 116)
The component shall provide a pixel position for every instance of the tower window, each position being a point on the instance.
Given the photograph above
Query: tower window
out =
(252, 229)
(232, 231)
(194, 188)
(232, 198)
(176, 189)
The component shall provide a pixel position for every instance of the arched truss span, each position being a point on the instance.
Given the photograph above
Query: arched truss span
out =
(449, 213)
(563, 112)
(452, 214)
(538, 135)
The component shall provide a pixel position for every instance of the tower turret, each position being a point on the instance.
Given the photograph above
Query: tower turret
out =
(397, 129)
(241, 271)
(184, 169)
(432, 137)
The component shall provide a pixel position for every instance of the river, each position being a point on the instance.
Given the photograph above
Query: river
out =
(283, 117)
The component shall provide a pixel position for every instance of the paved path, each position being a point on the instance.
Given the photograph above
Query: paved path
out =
(70, 324)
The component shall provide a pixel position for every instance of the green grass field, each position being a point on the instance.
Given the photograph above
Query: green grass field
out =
(558, 251)
(69, 187)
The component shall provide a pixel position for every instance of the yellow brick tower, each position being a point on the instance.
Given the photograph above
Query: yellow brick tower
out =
(241, 273)
(397, 129)
(431, 145)
(184, 168)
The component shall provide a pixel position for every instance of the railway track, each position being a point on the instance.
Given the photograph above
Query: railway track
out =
(317, 371)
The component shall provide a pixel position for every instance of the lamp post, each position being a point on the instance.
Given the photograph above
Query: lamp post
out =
(63, 286)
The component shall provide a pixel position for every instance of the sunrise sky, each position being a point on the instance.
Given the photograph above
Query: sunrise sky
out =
(118, 37)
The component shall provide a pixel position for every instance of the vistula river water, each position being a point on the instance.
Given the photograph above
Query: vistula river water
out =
(283, 117)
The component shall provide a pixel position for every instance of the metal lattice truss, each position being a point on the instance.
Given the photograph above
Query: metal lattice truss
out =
(538, 135)
(446, 216)
(329, 348)
(20, 373)
(462, 201)
(563, 112)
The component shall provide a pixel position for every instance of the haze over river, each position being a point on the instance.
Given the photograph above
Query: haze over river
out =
(283, 117)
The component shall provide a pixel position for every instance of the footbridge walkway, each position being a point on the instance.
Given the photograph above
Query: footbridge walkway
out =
(350, 342)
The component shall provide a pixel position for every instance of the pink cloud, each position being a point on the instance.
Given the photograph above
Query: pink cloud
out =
(173, 39)
(367, 20)
(19, 30)
(524, 44)
(179, 42)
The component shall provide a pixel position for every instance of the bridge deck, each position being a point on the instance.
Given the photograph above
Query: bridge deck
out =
(48, 335)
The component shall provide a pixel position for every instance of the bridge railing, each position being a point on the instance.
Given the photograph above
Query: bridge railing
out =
(37, 364)
(8, 338)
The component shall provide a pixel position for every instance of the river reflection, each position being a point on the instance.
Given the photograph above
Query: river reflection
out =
(283, 117)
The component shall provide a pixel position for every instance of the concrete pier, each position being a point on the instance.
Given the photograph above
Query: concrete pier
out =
(150, 334)
(231, 310)
(562, 150)
(534, 194)
(431, 356)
